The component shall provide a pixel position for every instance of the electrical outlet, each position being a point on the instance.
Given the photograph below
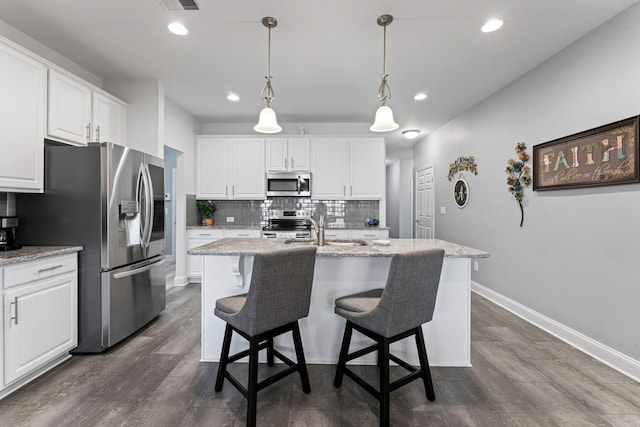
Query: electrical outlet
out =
(476, 266)
(339, 220)
(231, 219)
(443, 210)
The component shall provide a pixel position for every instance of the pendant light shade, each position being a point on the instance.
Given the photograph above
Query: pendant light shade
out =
(267, 122)
(384, 120)
(384, 116)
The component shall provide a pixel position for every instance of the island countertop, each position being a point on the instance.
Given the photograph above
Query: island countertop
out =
(373, 248)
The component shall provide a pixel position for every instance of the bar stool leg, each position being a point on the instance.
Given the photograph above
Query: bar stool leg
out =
(224, 356)
(424, 365)
(252, 384)
(383, 347)
(344, 351)
(270, 359)
(302, 364)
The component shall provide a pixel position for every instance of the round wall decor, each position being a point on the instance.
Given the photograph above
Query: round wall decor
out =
(461, 192)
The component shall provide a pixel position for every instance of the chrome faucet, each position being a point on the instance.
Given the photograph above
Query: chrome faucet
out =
(318, 227)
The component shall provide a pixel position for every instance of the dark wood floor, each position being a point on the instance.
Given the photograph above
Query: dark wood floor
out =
(521, 376)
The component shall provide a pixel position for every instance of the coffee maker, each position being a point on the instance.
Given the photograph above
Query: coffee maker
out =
(8, 222)
(8, 231)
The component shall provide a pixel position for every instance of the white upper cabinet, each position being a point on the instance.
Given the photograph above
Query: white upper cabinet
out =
(287, 154)
(328, 168)
(367, 178)
(79, 114)
(230, 168)
(23, 110)
(109, 120)
(348, 168)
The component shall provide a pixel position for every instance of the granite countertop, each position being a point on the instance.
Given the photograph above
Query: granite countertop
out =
(225, 226)
(253, 226)
(374, 248)
(29, 253)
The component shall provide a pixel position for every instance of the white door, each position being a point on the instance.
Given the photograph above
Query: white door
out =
(424, 196)
(69, 112)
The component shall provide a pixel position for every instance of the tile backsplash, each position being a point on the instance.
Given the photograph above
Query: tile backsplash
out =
(256, 212)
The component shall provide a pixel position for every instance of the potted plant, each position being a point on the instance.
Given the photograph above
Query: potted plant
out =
(207, 209)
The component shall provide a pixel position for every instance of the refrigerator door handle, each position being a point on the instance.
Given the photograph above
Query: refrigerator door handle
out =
(136, 270)
(139, 197)
(150, 207)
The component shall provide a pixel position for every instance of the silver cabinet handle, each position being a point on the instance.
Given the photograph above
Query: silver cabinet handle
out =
(226, 190)
(285, 163)
(97, 133)
(15, 316)
(88, 132)
(292, 166)
(42, 270)
(243, 235)
(344, 190)
(351, 190)
(233, 190)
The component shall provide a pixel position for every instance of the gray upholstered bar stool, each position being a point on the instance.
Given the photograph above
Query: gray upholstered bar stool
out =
(391, 314)
(279, 295)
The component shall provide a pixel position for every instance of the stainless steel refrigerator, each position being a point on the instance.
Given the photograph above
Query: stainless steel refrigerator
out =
(110, 200)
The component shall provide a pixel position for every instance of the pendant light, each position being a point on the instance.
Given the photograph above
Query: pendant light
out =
(384, 116)
(267, 122)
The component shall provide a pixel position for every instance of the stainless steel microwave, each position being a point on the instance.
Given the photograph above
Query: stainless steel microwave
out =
(289, 184)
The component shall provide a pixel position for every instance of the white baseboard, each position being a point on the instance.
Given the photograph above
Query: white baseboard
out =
(613, 358)
(180, 281)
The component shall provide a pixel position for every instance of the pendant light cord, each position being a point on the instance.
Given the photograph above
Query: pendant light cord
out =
(383, 96)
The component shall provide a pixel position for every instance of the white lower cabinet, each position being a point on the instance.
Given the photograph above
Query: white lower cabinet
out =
(201, 236)
(40, 317)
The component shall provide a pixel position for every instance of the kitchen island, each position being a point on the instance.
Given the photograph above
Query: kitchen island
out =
(342, 269)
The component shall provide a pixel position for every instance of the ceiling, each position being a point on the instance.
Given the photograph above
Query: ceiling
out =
(326, 56)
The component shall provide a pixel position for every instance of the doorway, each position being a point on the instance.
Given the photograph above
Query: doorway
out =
(424, 204)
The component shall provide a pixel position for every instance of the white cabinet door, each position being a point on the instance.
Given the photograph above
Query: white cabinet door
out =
(40, 323)
(230, 168)
(213, 168)
(366, 168)
(247, 173)
(276, 154)
(328, 168)
(22, 112)
(298, 150)
(109, 120)
(69, 109)
(287, 154)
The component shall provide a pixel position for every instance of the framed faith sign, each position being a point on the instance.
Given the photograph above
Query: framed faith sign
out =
(602, 156)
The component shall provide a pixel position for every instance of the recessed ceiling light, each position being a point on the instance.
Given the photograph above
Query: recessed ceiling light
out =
(410, 133)
(178, 28)
(233, 97)
(492, 25)
(420, 96)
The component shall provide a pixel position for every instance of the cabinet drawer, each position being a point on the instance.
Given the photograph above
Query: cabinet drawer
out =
(369, 234)
(202, 233)
(243, 233)
(31, 271)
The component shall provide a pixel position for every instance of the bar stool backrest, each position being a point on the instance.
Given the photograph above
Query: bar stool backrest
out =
(280, 290)
(409, 297)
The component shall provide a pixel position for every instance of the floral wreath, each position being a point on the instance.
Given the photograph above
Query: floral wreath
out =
(463, 164)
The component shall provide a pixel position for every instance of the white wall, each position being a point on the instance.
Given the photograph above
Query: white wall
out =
(145, 112)
(38, 48)
(575, 259)
(180, 131)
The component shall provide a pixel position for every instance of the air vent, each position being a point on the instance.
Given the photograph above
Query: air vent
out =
(189, 4)
(179, 4)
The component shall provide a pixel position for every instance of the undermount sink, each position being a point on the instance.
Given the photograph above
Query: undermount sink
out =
(329, 242)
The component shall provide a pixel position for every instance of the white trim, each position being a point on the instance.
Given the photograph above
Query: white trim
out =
(180, 281)
(607, 355)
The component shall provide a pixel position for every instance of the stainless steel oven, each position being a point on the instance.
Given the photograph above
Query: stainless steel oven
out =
(292, 224)
(289, 184)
